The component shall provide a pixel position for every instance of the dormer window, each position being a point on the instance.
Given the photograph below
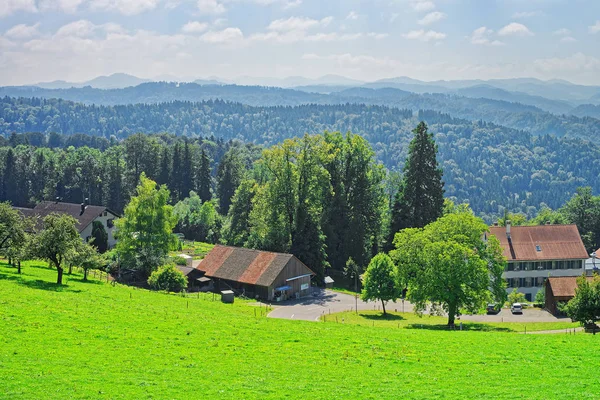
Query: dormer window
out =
(538, 247)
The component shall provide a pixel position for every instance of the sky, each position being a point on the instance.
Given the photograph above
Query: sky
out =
(77, 40)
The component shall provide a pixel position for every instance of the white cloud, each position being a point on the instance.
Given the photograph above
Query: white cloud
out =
(219, 22)
(595, 28)
(297, 24)
(394, 17)
(23, 31)
(126, 7)
(526, 14)
(81, 28)
(431, 18)
(424, 36)
(568, 39)
(7, 7)
(352, 15)
(225, 36)
(562, 32)
(377, 36)
(210, 7)
(483, 36)
(194, 27)
(515, 29)
(422, 5)
(68, 6)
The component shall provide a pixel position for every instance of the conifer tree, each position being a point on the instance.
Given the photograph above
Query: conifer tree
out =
(229, 176)
(187, 172)
(421, 194)
(176, 171)
(164, 173)
(204, 178)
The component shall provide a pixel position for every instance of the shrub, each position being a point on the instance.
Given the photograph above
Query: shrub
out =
(516, 297)
(540, 297)
(168, 278)
(178, 260)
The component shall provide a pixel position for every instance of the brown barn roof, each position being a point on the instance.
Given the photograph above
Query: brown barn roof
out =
(556, 242)
(83, 219)
(249, 266)
(564, 286)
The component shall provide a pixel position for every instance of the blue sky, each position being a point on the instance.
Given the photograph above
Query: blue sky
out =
(76, 40)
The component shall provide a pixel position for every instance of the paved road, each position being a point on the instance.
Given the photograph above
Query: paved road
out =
(312, 308)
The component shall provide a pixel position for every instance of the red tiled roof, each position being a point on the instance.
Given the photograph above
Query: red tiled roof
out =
(249, 266)
(556, 242)
(564, 286)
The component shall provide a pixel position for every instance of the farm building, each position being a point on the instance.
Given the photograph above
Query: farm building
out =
(536, 252)
(84, 214)
(254, 273)
(560, 290)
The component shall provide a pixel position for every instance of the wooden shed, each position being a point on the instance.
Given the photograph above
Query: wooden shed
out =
(255, 273)
(560, 290)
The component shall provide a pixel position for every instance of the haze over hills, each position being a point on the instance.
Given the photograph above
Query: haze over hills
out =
(533, 119)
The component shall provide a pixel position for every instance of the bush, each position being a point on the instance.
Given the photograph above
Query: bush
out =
(540, 297)
(168, 278)
(178, 260)
(516, 297)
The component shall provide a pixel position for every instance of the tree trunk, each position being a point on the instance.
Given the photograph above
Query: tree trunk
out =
(60, 274)
(85, 274)
(383, 305)
(19, 267)
(451, 314)
(70, 269)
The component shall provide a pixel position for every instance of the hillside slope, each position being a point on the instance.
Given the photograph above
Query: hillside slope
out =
(93, 340)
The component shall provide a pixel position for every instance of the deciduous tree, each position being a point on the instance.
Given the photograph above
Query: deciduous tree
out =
(380, 281)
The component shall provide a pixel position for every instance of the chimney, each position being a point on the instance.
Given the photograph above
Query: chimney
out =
(548, 223)
(496, 223)
(57, 200)
(508, 229)
(82, 208)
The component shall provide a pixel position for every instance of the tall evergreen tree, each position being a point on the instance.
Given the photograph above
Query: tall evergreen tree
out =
(203, 177)
(176, 175)
(187, 171)
(164, 173)
(421, 194)
(8, 178)
(238, 229)
(229, 175)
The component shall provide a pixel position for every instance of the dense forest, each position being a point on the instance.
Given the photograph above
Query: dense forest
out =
(489, 166)
(507, 113)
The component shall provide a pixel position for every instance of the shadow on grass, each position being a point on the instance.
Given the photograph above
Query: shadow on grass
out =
(381, 317)
(38, 284)
(466, 327)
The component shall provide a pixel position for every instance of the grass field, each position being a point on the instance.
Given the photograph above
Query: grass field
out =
(195, 249)
(94, 340)
(412, 321)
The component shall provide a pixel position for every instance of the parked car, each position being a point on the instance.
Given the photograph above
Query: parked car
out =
(492, 308)
(516, 308)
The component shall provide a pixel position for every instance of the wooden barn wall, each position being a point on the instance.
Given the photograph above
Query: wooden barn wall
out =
(293, 268)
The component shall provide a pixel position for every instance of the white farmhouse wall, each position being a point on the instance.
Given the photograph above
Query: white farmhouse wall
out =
(87, 232)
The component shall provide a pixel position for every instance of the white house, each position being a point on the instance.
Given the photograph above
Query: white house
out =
(83, 213)
(535, 253)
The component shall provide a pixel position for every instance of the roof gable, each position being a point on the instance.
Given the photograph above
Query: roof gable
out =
(563, 286)
(45, 208)
(541, 242)
(249, 266)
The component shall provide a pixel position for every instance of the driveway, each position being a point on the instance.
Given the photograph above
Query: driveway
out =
(329, 302)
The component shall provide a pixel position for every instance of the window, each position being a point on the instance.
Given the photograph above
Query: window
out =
(104, 213)
(538, 247)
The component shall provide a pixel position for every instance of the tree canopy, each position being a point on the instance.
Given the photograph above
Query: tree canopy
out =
(452, 264)
(380, 281)
(145, 232)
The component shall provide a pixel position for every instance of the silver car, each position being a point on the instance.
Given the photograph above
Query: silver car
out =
(516, 308)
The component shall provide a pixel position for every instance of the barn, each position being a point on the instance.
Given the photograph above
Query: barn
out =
(254, 273)
(560, 289)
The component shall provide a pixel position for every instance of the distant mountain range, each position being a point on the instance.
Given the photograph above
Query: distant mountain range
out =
(472, 104)
(556, 96)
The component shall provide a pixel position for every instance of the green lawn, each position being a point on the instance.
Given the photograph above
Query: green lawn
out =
(413, 321)
(94, 340)
(195, 249)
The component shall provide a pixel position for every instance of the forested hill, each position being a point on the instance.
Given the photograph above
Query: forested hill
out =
(510, 114)
(487, 165)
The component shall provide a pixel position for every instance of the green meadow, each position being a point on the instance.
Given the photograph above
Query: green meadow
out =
(95, 340)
